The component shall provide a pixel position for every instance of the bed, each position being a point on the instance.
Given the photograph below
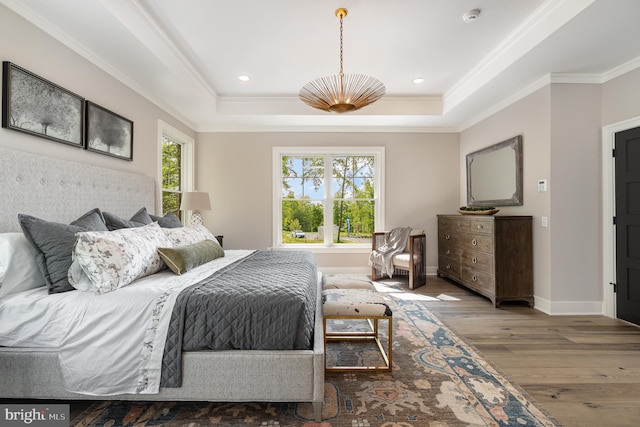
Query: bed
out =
(59, 191)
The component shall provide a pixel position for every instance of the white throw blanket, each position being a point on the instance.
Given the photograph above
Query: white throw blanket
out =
(395, 242)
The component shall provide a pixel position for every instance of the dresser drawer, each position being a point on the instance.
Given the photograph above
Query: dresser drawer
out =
(459, 224)
(476, 242)
(449, 265)
(449, 250)
(447, 237)
(483, 227)
(478, 279)
(477, 260)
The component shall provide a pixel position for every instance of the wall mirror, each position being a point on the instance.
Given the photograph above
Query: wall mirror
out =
(494, 174)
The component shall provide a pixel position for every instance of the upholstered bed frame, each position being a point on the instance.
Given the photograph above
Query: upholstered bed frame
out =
(58, 190)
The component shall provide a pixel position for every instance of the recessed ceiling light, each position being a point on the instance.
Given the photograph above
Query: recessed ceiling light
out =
(471, 16)
(417, 80)
(244, 78)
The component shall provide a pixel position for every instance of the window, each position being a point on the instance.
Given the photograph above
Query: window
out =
(327, 197)
(177, 168)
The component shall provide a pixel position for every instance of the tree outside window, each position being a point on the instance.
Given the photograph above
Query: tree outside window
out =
(172, 187)
(328, 188)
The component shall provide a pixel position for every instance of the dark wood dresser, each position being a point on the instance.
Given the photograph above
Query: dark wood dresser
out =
(491, 255)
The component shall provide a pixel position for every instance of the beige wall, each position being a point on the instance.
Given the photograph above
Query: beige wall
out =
(529, 117)
(620, 98)
(49, 59)
(561, 127)
(235, 168)
(576, 194)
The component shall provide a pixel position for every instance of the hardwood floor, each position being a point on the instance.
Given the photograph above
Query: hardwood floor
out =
(583, 370)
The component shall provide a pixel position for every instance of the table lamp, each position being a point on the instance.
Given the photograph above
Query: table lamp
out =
(195, 201)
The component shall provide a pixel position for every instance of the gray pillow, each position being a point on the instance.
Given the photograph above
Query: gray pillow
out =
(54, 242)
(142, 216)
(169, 220)
(114, 222)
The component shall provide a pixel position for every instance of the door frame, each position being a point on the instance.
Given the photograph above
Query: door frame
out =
(608, 212)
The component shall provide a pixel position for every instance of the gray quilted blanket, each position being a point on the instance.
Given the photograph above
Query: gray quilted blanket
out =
(265, 301)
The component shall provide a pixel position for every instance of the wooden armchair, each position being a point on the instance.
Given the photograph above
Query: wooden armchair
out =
(411, 262)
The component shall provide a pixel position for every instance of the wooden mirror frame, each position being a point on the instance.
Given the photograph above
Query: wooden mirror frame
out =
(515, 199)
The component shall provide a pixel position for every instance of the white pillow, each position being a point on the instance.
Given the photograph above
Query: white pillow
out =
(104, 261)
(181, 236)
(18, 268)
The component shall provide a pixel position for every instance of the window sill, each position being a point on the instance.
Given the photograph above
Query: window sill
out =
(351, 249)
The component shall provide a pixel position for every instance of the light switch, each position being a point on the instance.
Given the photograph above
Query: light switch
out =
(542, 185)
(543, 221)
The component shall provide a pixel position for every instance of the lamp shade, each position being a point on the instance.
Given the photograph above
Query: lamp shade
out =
(195, 201)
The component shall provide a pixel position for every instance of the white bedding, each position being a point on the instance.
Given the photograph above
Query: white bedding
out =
(104, 350)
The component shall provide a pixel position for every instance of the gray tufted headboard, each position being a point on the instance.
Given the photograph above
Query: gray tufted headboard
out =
(61, 191)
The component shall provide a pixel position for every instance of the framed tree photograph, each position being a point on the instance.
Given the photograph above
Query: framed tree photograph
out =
(39, 107)
(108, 133)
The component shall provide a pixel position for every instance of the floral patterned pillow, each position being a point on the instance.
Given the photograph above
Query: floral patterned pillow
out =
(181, 236)
(113, 259)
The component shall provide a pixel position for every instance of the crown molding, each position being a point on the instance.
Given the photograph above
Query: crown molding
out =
(138, 21)
(550, 16)
(253, 128)
(21, 8)
(621, 69)
(575, 78)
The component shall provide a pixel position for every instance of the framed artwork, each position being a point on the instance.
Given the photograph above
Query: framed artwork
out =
(108, 133)
(39, 107)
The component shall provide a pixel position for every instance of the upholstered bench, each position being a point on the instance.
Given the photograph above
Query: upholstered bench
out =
(331, 281)
(358, 304)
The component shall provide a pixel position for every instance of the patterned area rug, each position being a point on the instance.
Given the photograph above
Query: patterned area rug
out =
(437, 381)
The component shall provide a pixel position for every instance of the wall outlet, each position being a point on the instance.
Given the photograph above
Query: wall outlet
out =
(544, 222)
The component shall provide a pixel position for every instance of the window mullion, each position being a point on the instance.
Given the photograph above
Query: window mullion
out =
(328, 200)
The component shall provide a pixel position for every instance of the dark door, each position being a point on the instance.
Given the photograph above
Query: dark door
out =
(627, 183)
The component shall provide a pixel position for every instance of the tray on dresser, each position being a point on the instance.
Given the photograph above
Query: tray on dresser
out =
(483, 212)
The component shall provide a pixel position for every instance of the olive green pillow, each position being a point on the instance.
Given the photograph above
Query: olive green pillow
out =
(181, 259)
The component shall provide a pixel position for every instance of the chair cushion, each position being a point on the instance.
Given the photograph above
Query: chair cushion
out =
(354, 303)
(402, 260)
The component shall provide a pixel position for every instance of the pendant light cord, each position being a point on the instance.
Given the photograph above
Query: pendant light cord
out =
(341, 72)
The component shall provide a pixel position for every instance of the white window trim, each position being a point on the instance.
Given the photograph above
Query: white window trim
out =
(379, 193)
(188, 161)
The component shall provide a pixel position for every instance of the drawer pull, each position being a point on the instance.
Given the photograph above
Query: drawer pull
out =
(475, 278)
(474, 242)
(448, 252)
(446, 236)
(448, 266)
(474, 260)
(480, 226)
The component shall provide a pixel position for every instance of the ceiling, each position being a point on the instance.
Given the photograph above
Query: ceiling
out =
(186, 55)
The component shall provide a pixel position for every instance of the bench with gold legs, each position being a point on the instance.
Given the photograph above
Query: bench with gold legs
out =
(353, 303)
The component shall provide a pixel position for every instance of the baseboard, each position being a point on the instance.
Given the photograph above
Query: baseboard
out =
(568, 308)
(345, 270)
(562, 308)
(431, 271)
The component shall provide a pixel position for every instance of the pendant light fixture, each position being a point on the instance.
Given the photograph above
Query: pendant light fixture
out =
(340, 93)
